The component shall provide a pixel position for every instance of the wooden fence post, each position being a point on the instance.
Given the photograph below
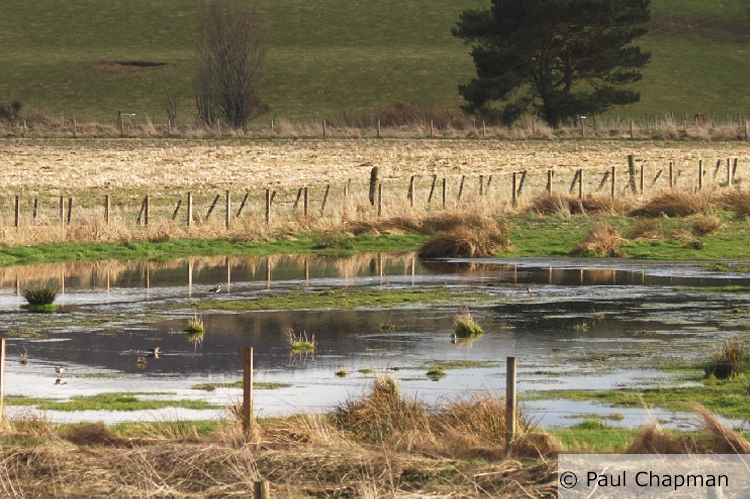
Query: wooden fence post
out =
(247, 194)
(671, 178)
(176, 210)
(247, 390)
(324, 128)
(106, 209)
(380, 199)
(62, 210)
(262, 490)
(481, 186)
(729, 173)
(613, 182)
(432, 189)
(325, 198)
(550, 174)
(213, 205)
(461, 187)
(70, 209)
(268, 206)
(631, 171)
(296, 201)
(305, 198)
(189, 209)
(445, 185)
(145, 210)
(411, 192)
(513, 188)
(431, 128)
(580, 183)
(228, 214)
(641, 179)
(700, 175)
(18, 212)
(36, 206)
(520, 184)
(510, 403)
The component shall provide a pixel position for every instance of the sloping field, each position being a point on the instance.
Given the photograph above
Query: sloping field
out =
(65, 58)
(66, 168)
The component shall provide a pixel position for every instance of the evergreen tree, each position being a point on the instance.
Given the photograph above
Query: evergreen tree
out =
(555, 58)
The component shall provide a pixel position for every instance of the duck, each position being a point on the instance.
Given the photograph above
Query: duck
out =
(215, 289)
(59, 370)
(155, 350)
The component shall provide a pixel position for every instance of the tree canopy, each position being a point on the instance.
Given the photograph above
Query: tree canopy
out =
(555, 58)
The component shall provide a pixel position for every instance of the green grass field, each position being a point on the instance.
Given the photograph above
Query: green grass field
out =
(328, 56)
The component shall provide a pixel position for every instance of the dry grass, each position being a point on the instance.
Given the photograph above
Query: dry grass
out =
(558, 203)
(674, 203)
(648, 230)
(736, 200)
(707, 225)
(729, 361)
(470, 237)
(603, 240)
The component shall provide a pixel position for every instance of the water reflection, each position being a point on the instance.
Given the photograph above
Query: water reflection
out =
(572, 323)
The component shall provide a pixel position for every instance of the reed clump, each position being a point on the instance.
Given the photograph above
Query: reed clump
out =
(704, 226)
(40, 297)
(464, 326)
(603, 240)
(674, 203)
(729, 361)
(483, 239)
(300, 343)
(194, 326)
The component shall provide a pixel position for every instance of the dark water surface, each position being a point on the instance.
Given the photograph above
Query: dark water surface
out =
(593, 324)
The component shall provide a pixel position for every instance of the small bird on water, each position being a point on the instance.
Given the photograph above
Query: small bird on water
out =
(215, 289)
(59, 370)
(155, 350)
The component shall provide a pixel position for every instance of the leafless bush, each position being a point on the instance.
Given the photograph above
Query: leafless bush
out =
(230, 55)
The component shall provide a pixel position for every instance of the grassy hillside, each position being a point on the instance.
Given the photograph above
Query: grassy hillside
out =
(328, 56)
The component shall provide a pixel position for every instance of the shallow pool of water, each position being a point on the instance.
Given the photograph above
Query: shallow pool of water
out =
(594, 324)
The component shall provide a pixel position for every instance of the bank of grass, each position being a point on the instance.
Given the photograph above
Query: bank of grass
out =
(728, 398)
(339, 299)
(115, 401)
(257, 385)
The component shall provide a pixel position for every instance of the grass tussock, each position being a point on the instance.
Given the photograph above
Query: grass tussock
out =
(674, 203)
(558, 203)
(648, 230)
(729, 361)
(194, 326)
(736, 200)
(467, 242)
(464, 326)
(704, 226)
(603, 240)
(40, 294)
(300, 343)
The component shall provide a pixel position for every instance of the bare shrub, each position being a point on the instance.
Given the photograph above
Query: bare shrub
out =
(228, 66)
(603, 240)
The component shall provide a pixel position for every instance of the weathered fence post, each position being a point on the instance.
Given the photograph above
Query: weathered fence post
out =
(70, 209)
(213, 205)
(189, 209)
(513, 188)
(325, 199)
(304, 202)
(643, 167)
(36, 206)
(700, 175)
(268, 206)
(510, 403)
(176, 210)
(228, 213)
(18, 212)
(580, 183)
(62, 210)
(374, 175)
(410, 195)
(106, 209)
(671, 178)
(481, 186)
(445, 187)
(378, 128)
(461, 187)
(247, 195)
(247, 390)
(613, 183)
(520, 184)
(729, 173)
(262, 490)
(550, 174)
(432, 189)
(145, 210)
(380, 200)
(631, 171)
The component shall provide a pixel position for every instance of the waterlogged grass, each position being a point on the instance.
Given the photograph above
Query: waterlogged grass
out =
(258, 385)
(116, 401)
(728, 398)
(446, 365)
(337, 299)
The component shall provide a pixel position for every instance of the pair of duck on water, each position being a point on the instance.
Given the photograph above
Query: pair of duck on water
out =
(153, 353)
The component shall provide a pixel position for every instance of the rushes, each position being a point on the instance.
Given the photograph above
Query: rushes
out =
(300, 343)
(729, 361)
(194, 326)
(464, 326)
(40, 297)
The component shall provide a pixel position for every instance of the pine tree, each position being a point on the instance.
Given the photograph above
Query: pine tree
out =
(554, 58)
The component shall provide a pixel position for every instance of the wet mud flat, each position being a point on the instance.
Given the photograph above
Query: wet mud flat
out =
(572, 324)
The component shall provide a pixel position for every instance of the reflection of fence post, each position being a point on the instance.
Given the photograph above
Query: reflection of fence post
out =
(247, 390)
(510, 403)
